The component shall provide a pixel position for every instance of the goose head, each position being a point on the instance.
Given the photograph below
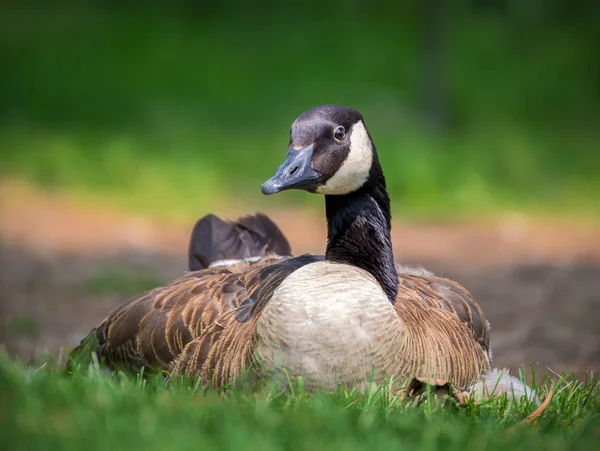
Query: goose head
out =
(330, 152)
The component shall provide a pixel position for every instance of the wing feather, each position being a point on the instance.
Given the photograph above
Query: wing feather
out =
(447, 327)
(202, 324)
(431, 292)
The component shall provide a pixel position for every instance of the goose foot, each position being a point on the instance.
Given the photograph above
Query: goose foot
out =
(492, 384)
(418, 388)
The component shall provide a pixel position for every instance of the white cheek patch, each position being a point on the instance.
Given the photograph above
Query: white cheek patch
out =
(354, 171)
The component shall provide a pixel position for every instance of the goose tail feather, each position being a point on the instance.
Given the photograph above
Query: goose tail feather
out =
(497, 382)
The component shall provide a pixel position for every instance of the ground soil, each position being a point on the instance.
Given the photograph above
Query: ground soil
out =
(537, 281)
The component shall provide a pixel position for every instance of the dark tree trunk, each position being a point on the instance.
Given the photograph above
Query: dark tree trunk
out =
(432, 62)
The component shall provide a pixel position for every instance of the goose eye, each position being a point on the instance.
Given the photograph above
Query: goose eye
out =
(339, 133)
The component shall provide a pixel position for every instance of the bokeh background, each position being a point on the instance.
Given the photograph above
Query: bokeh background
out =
(122, 122)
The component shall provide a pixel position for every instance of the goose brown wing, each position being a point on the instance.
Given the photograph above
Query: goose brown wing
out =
(201, 324)
(448, 334)
(429, 292)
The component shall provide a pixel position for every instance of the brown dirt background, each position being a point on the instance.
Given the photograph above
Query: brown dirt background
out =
(537, 281)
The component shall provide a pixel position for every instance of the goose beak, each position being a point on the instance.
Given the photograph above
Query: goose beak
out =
(295, 172)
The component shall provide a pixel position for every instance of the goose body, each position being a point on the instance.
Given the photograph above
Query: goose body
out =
(330, 319)
(340, 337)
(215, 322)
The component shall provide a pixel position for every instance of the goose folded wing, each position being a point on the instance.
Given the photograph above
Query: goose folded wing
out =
(437, 293)
(202, 324)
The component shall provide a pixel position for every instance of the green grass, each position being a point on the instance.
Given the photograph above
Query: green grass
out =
(42, 408)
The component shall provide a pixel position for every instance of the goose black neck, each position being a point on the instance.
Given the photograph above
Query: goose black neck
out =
(358, 233)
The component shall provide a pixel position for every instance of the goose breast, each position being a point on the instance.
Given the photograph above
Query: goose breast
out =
(331, 323)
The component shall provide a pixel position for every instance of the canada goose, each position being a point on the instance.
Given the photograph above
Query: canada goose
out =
(213, 238)
(329, 320)
(215, 241)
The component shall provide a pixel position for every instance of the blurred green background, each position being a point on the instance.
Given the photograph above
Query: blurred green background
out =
(176, 108)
